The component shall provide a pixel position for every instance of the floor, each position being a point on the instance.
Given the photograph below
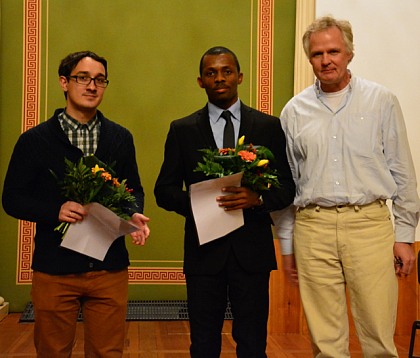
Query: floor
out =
(170, 339)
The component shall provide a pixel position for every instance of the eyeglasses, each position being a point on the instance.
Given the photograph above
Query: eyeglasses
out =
(85, 80)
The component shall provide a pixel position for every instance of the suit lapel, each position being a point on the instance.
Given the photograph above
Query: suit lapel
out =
(203, 124)
(247, 122)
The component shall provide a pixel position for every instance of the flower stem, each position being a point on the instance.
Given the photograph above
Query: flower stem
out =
(62, 228)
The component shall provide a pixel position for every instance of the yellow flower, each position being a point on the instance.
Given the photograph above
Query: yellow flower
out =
(97, 169)
(241, 140)
(262, 162)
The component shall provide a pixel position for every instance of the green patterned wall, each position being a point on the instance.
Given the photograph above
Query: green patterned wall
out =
(153, 51)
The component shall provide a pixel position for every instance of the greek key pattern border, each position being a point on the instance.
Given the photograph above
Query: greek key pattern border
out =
(31, 117)
(265, 56)
(153, 275)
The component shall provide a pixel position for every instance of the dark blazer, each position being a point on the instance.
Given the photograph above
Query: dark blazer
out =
(253, 242)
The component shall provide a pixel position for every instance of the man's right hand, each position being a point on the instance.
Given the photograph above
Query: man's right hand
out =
(289, 268)
(240, 198)
(71, 212)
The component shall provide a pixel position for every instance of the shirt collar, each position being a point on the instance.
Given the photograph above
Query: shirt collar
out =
(215, 112)
(319, 91)
(73, 124)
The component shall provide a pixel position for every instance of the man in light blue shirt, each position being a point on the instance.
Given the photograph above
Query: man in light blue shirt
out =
(348, 152)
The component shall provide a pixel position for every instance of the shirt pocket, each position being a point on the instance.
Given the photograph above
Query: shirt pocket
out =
(362, 133)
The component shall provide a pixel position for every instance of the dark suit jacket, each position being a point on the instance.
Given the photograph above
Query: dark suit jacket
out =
(253, 242)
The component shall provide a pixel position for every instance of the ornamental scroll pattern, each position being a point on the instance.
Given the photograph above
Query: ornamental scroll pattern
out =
(265, 56)
(31, 117)
(144, 275)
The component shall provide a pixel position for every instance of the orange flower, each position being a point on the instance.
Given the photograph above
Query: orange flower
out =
(226, 151)
(115, 182)
(106, 176)
(247, 156)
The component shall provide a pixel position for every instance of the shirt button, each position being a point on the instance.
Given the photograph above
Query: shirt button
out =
(335, 159)
(362, 117)
(337, 183)
(334, 136)
(91, 265)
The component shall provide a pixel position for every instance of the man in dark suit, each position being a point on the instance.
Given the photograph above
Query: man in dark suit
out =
(237, 265)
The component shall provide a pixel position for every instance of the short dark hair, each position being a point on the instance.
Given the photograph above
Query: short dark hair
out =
(219, 50)
(68, 63)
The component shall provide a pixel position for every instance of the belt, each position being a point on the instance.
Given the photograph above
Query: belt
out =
(340, 206)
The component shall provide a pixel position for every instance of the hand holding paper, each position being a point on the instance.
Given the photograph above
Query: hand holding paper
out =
(211, 220)
(238, 198)
(95, 234)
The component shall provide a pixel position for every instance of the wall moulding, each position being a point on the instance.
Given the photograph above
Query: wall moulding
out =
(32, 61)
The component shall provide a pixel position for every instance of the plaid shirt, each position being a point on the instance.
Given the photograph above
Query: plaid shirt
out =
(83, 136)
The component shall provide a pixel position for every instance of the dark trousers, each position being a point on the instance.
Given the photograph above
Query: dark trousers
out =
(207, 300)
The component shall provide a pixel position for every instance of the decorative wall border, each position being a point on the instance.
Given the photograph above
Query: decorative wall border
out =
(155, 275)
(31, 117)
(265, 56)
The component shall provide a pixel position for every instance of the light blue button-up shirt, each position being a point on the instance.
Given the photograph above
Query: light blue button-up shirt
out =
(356, 155)
(218, 124)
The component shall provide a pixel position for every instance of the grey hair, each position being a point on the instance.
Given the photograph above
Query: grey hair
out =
(325, 23)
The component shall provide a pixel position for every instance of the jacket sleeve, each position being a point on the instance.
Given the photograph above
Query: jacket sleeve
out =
(169, 188)
(279, 198)
(28, 186)
(126, 168)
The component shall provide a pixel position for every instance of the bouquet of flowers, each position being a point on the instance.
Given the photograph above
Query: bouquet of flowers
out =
(253, 161)
(91, 180)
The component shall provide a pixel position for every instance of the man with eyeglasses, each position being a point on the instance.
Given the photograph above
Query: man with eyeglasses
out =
(64, 280)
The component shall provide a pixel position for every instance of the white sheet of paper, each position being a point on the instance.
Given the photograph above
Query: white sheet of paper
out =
(211, 220)
(95, 234)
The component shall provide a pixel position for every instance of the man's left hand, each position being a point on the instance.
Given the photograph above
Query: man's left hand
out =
(405, 258)
(140, 236)
(241, 198)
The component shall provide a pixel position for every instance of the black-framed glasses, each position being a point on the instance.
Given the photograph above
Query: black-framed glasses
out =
(86, 80)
